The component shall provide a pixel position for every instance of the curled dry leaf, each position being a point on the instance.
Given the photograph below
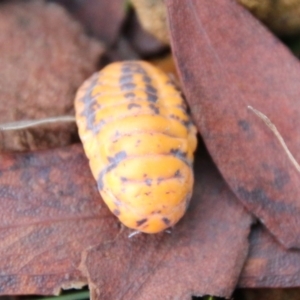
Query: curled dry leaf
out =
(269, 264)
(53, 220)
(227, 61)
(45, 56)
(50, 212)
(102, 18)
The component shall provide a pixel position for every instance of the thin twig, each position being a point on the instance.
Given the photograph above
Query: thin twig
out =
(31, 123)
(277, 134)
(134, 233)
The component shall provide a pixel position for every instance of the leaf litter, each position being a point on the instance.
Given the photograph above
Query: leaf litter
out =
(50, 201)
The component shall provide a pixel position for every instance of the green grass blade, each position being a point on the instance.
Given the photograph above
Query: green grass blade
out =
(73, 296)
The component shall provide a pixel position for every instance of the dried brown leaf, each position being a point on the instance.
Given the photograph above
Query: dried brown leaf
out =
(52, 220)
(269, 264)
(50, 212)
(45, 56)
(227, 60)
(102, 18)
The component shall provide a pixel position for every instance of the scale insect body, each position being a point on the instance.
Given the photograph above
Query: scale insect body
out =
(140, 141)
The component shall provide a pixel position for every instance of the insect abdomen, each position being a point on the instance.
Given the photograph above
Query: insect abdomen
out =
(140, 143)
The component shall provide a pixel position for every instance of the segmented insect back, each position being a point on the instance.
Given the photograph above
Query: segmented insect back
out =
(140, 141)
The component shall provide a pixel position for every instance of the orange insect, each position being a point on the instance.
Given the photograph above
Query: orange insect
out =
(140, 141)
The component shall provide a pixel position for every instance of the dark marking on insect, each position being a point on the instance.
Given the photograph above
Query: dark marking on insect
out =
(132, 68)
(100, 183)
(126, 79)
(133, 105)
(141, 222)
(177, 174)
(127, 69)
(88, 113)
(187, 123)
(114, 161)
(154, 108)
(148, 182)
(117, 134)
(159, 180)
(129, 95)
(117, 203)
(117, 158)
(146, 79)
(98, 127)
(124, 179)
(166, 221)
(90, 107)
(128, 86)
(172, 116)
(152, 98)
(179, 154)
(116, 212)
(150, 89)
(155, 212)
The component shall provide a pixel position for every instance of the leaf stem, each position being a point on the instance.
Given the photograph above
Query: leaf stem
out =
(31, 123)
(273, 128)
